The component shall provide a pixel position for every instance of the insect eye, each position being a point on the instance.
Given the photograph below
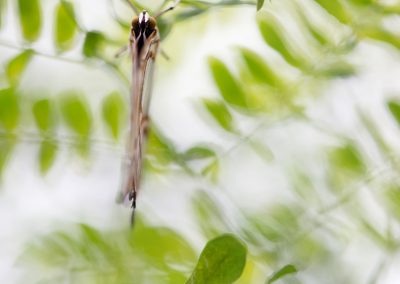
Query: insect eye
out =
(135, 25)
(151, 25)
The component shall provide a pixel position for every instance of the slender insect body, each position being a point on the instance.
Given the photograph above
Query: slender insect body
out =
(144, 40)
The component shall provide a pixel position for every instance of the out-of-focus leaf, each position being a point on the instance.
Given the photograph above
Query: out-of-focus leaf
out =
(394, 108)
(30, 18)
(209, 215)
(273, 34)
(164, 27)
(228, 85)
(383, 240)
(2, 11)
(93, 44)
(47, 154)
(160, 152)
(221, 262)
(260, 4)
(43, 114)
(261, 150)
(6, 147)
(220, 113)
(198, 153)
(337, 69)
(65, 26)
(76, 114)
(336, 9)
(347, 158)
(114, 112)
(17, 65)
(392, 198)
(9, 109)
(363, 2)
(378, 33)
(259, 68)
(287, 269)
(211, 170)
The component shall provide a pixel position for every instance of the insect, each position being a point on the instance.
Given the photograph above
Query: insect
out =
(144, 41)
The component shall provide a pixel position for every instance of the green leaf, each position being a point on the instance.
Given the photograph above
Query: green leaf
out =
(76, 114)
(198, 153)
(2, 10)
(30, 18)
(211, 170)
(221, 262)
(287, 269)
(259, 69)
(260, 4)
(93, 44)
(228, 86)
(336, 9)
(6, 147)
(47, 154)
(273, 34)
(114, 112)
(65, 26)
(347, 159)
(17, 65)
(220, 113)
(9, 109)
(43, 114)
(394, 108)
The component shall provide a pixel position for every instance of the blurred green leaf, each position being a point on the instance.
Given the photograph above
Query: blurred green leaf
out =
(65, 26)
(336, 9)
(9, 109)
(220, 113)
(378, 33)
(76, 114)
(160, 152)
(43, 114)
(394, 108)
(47, 154)
(198, 153)
(259, 69)
(273, 34)
(363, 2)
(209, 215)
(6, 147)
(17, 65)
(228, 85)
(260, 4)
(287, 269)
(30, 18)
(211, 170)
(93, 44)
(114, 113)
(347, 159)
(221, 261)
(392, 198)
(2, 10)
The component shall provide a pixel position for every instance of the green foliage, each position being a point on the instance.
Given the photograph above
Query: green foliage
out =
(2, 9)
(47, 154)
(260, 4)
(336, 9)
(94, 256)
(229, 87)
(114, 113)
(9, 109)
(17, 65)
(43, 113)
(221, 262)
(77, 116)
(394, 108)
(65, 26)
(286, 270)
(273, 34)
(93, 44)
(30, 17)
(220, 113)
